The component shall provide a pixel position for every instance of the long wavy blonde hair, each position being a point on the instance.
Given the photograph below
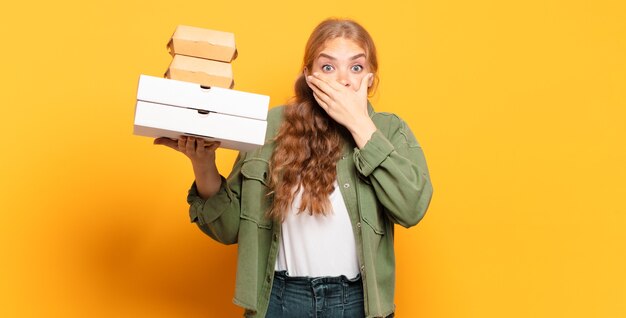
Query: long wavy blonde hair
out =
(309, 142)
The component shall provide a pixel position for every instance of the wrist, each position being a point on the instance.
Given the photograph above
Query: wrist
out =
(363, 131)
(203, 168)
(208, 180)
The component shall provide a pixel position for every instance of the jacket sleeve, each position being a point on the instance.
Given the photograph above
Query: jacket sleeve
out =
(396, 168)
(218, 216)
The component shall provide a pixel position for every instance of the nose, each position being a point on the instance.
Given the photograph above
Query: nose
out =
(342, 78)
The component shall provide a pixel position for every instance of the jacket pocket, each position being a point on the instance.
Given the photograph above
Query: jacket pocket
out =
(254, 199)
(375, 221)
(371, 210)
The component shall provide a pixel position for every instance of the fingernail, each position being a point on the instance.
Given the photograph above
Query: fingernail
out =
(316, 73)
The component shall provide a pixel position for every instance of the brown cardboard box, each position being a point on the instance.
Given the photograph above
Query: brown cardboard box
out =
(201, 71)
(204, 43)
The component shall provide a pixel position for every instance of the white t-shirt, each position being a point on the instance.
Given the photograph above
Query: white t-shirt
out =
(318, 245)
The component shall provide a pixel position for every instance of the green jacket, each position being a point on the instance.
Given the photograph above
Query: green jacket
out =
(384, 183)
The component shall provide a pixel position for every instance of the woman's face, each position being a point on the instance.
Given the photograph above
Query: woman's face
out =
(343, 61)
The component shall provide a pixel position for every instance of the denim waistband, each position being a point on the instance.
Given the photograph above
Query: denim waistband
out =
(325, 296)
(305, 280)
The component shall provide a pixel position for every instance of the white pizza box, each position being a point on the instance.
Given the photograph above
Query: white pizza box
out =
(158, 120)
(204, 43)
(200, 71)
(191, 95)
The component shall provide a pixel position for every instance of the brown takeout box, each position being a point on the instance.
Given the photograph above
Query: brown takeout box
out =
(201, 71)
(204, 43)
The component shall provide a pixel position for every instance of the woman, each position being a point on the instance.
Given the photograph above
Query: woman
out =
(313, 210)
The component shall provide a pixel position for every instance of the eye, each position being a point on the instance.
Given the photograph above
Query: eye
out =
(357, 68)
(327, 68)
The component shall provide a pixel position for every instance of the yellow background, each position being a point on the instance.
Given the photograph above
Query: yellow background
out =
(520, 108)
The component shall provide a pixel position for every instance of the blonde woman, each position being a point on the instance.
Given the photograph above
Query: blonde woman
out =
(313, 210)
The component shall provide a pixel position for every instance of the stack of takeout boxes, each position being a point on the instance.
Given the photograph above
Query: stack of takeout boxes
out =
(196, 97)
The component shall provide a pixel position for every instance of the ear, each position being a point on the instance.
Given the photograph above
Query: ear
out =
(370, 82)
(305, 71)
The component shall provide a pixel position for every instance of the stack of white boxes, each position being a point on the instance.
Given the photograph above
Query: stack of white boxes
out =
(195, 98)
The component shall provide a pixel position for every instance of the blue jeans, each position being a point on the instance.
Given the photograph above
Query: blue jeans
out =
(315, 297)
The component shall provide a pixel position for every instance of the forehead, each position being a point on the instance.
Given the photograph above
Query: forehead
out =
(341, 48)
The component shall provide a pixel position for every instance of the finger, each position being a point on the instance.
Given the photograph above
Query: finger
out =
(190, 146)
(212, 145)
(181, 143)
(322, 85)
(200, 146)
(320, 102)
(365, 81)
(322, 99)
(332, 84)
(166, 142)
(321, 94)
(309, 81)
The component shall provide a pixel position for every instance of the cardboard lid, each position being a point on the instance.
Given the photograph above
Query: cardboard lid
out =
(214, 37)
(203, 38)
(191, 95)
(199, 78)
(195, 64)
(201, 71)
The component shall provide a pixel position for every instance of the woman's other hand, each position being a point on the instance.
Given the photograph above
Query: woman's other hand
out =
(347, 105)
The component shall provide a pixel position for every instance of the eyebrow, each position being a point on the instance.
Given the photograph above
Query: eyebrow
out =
(334, 59)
